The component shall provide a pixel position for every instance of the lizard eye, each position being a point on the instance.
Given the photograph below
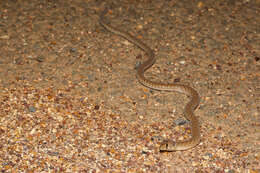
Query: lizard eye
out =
(166, 145)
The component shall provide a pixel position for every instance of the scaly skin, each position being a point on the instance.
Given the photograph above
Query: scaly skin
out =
(184, 89)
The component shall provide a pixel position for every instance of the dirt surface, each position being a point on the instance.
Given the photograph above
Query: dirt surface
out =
(70, 100)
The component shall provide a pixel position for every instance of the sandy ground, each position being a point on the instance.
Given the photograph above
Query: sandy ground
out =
(70, 100)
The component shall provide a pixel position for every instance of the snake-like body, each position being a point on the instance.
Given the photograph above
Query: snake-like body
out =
(184, 89)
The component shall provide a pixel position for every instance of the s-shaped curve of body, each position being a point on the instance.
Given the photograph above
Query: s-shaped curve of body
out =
(166, 146)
